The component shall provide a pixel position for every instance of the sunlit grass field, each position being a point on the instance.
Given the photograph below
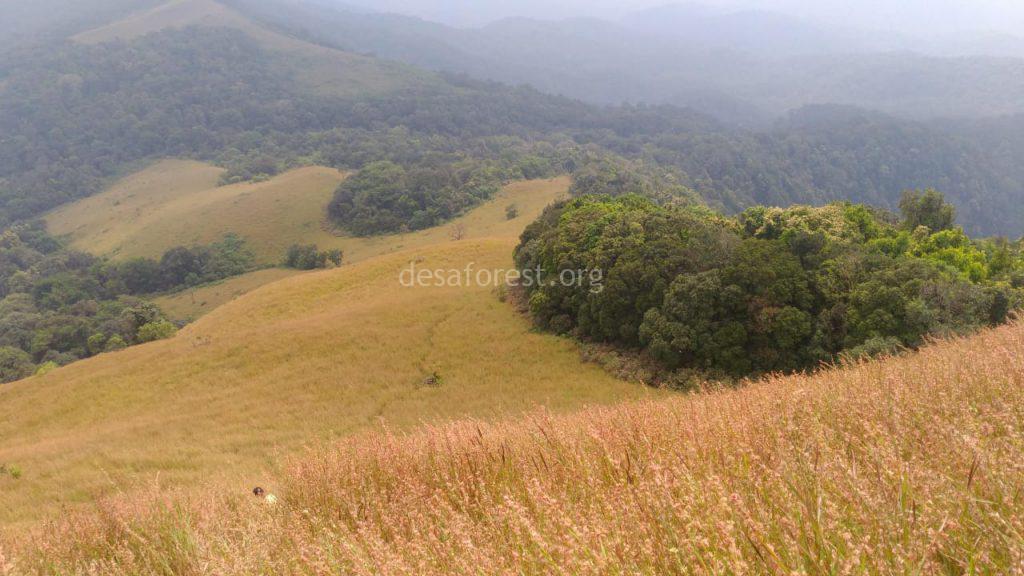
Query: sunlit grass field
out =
(911, 465)
(177, 202)
(308, 358)
(189, 305)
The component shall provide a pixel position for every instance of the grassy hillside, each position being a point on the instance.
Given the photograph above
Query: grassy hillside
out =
(178, 202)
(485, 221)
(910, 465)
(104, 224)
(174, 203)
(173, 14)
(188, 305)
(316, 356)
(25, 23)
(327, 70)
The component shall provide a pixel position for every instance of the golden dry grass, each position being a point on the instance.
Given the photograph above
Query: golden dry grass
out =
(307, 358)
(912, 465)
(318, 68)
(190, 305)
(178, 202)
(486, 221)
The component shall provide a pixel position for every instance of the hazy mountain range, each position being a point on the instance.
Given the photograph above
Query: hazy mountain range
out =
(924, 18)
(744, 66)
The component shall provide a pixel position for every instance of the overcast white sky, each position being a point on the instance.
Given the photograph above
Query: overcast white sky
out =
(913, 16)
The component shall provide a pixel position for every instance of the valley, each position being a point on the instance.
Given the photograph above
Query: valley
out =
(357, 344)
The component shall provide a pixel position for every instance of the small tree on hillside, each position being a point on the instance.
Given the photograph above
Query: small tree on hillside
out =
(928, 209)
(309, 257)
(159, 330)
(15, 364)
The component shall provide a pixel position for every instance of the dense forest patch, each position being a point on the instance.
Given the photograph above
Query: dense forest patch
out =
(771, 290)
(59, 305)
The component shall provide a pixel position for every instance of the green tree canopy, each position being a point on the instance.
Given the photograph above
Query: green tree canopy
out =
(929, 209)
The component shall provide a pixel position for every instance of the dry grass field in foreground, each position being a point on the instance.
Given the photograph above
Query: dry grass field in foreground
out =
(912, 465)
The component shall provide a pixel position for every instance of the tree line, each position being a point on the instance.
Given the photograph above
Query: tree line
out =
(59, 305)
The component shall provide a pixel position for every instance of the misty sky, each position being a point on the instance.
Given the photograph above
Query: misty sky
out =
(910, 16)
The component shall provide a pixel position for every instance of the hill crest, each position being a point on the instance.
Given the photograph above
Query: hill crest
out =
(324, 70)
(173, 14)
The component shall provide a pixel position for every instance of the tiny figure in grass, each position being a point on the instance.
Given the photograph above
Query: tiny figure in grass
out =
(262, 494)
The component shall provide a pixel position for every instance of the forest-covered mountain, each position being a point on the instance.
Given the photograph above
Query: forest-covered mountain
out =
(759, 63)
(74, 115)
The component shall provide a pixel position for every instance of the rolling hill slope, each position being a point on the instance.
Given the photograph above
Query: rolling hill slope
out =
(316, 356)
(173, 14)
(746, 66)
(188, 305)
(487, 220)
(27, 23)
(178, 202)
(907, 465)
(236, 91)
(326, 70)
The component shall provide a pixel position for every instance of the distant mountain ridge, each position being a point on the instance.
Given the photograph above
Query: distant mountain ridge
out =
(747, 66)
(262, 86)
(760, 32)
